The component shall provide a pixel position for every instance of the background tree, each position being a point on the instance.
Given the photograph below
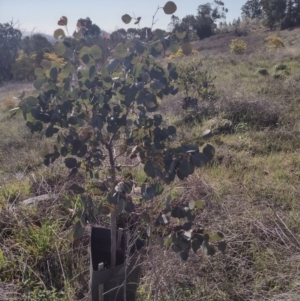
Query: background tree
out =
(118, 36)
(10, 42)
(132, 33)
(174, 24)
(35, 43)
(145, 33)
(252, 9)
(88, 28)
(91, 35)
(188, 24)
(292, 16)
(207, 17)
(274, 11)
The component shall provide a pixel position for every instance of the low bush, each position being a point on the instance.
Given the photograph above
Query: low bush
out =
(23, 67)
(237, 46)
(180, 54)
(274, 42)
(196, 82)
(255, 114)
(281, 66)
(263, 71)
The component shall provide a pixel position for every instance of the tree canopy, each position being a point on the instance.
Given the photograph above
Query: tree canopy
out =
(10, 42)
(35, 43)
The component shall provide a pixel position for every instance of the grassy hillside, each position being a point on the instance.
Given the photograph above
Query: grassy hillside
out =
(251, 190)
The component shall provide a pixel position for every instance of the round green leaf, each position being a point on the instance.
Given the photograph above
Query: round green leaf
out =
(39, 82)
(71, 162)
(92, 72)
(85, 59)
(222, 246)
(84, 50)
(65, 72)
(46, 64)
(215, 236)
(54, 73)
(199, 159)
(171, 130)
(68, 53)
(78, 230)
(31, 101)
(38, 71)
(77, 189)
(209, 151)
(170, 8)
(126, 19)
(196, 244)
(178, 212)
(120, 51)
(96, 52)
(174, 47)
(113, 65)
(107, 82)
(97, 122)
(60, 48)
(77, 35)
(138, 69)
(150, 103)
(107, 209)
(184, 255)
(149, 169)
(184, 169)
(158, 188)
(157, 85)
(59, 33)
(63, 151)
(180, 35)
(187, 48)
(145, 216)
(157, 119)
(199, 204)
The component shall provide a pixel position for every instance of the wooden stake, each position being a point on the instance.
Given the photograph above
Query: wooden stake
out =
(113, 234)
(100, 268)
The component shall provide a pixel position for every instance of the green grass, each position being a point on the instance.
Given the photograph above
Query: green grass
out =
(251, 191)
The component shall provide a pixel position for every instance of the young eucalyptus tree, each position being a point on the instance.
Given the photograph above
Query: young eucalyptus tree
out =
(105, 118)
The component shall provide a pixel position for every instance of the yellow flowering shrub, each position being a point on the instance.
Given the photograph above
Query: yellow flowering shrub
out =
(274, 42)
(179, 54)
(237, 46)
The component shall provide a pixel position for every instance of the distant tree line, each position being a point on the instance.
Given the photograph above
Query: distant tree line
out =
(208, 17)
(282, 13)
(204, 23)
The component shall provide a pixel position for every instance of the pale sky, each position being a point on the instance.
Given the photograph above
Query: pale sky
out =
(42, 15)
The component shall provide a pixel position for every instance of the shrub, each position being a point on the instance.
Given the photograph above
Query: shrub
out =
(10, 40)
(281, 71)
(53, 57)
(280, 66)
(180, 53)
(23, 67)
(196, 82)
(254, 114)
(237, 46)
(274, 42)
(263, 71)
(35, 43)
(281, 74)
